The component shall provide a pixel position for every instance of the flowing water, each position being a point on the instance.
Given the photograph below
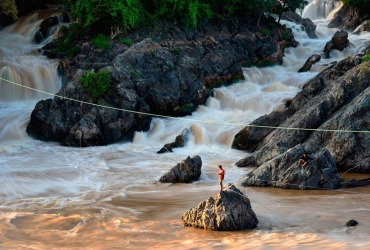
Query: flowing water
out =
(55, 197)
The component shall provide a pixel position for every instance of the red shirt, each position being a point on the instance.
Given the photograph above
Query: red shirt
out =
(221, 174)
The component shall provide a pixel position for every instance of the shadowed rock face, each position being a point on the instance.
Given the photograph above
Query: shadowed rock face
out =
(230, 210)
(187, 171)
(284, 171)
(349, 18)
(336, 99)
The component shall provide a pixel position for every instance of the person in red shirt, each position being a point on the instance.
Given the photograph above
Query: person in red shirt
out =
(221, 175)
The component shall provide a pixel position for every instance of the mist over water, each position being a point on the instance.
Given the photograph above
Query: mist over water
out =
(55, 197)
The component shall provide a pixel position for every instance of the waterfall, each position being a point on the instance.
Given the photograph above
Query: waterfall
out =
(22, 63)
(320, 9)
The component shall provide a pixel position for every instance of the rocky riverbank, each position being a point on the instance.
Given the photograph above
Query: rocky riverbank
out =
(331, 109)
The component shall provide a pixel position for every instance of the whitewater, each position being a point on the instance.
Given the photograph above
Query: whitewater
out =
(109, 197)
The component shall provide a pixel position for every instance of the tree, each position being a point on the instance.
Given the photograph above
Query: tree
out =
(8, 8)
(103, 13)
(360, 5)
(282, 6)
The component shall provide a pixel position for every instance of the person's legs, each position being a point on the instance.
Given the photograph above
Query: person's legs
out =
(220, 185)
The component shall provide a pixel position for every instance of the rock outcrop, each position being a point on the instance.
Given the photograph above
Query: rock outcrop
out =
(330, 112)
(170, 73)
(339, 41)
(310, 61)
(349, 18)
(284, 171)
(230, 210)
(178, 143)
(187, 171)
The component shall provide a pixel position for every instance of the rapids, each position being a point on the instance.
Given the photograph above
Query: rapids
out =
(55, 197)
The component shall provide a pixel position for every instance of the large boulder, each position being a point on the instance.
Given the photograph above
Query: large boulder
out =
(187, 171)
(230, 210)
(73, 123)
(284, 171)
(327, 113)
(339, 41)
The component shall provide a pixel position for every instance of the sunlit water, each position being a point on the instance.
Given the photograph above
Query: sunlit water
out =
(55, 197)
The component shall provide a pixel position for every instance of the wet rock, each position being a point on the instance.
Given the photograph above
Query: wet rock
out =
(187, 171)
(339, 41)
(307, 23)
(178, 143)
(310, 61)
(284, 171)
(230, 210)
(364, 26)
(38, 37)
(351, 223)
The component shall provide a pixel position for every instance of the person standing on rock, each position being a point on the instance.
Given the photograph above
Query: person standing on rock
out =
(221, 175)
(303, 160)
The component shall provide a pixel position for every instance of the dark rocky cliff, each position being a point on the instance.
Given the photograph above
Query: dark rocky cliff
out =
(167, 71)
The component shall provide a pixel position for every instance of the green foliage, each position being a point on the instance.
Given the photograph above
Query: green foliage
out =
(184, 109)
(285, 35)
(185, 12)
(271, 26)
(67, 43)
(176, 51)
(8, 8)
(360, 5)
(264, 32)
(132, 72)
(96, 84)
(102, 13)
(366, 58)
(128, 14)
(101, 42)
(363, 67)
(279, 7)
(125, 41)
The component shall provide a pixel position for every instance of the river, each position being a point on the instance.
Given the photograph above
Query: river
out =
(55, 197)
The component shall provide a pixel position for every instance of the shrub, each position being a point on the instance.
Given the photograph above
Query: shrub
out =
(67, 43)
(96, 84)
(264, 32)
(125, 41)
(101, 42)
(176, 51)
(366, 58)
(271, 26)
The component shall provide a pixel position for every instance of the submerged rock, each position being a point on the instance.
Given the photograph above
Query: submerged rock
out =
(178, 143)
(284, 171)
(187, 171)
(310, 61)
(351, 223)
(230, 210)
